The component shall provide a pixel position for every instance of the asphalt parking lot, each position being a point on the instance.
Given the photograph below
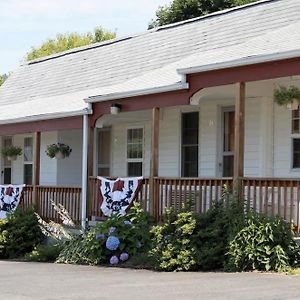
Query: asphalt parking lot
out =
(20, 280)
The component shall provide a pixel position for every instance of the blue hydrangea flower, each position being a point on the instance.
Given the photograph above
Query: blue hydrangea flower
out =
(111, 230)
(138, 244)
(127, 222)
(114, 260)
(112, 243)
(124, 256)
(100, 236)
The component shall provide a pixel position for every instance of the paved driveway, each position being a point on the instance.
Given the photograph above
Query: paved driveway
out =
(52, 281)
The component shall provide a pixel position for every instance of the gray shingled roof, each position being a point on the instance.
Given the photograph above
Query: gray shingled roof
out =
(60, 82)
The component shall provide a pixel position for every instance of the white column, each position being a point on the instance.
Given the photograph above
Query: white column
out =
(84, 186)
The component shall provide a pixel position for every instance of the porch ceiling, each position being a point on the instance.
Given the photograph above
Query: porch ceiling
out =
(108, 120)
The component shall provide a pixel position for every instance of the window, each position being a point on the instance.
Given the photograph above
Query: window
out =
(135, 145)
(228, 142)
(7, 166)
(189, 144)
(104, 146)
(295, 121)
(28, 160)
(295, 139)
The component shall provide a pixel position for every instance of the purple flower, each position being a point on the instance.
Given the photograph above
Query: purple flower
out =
(111, 230)
(112, 243)
(114, 260)
(127, 222)
(124, 256)
(100, 236)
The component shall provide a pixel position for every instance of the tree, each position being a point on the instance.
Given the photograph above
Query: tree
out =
(180, 10)
(3, 77)
(65, 42)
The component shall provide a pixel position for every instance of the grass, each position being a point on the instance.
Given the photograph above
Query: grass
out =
(295, 272)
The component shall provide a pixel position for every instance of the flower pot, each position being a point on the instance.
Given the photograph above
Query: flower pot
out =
(293, 105)
(59, 155)
(14, 157)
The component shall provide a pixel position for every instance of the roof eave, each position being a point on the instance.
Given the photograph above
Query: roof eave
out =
(49, 116)
(136, 93)
(251, 60)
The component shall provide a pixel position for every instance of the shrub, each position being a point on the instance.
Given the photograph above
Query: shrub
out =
(44, 253)
(112, 241)
(215, 230)
(3, 238)
(75, 252)
(264, 244)
(188, 241)
(174, 247)
(19, 234)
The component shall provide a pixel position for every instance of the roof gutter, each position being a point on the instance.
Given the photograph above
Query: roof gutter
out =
(142, 92)
(85, 111)
(250, 60)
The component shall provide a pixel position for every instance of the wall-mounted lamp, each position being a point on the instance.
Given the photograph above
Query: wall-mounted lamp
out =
(115, 108)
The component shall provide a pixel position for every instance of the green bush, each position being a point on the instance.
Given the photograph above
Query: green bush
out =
(3, 238)
(188, 241)
(19, 234)
(44, 253)
(174, 247)
(112, 241)
(215, 230)
(263, 244)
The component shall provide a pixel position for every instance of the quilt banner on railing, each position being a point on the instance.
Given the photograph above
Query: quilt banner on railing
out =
(115, 196)
(10, 196)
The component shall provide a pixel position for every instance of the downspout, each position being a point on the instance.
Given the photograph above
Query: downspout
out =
(84, 184)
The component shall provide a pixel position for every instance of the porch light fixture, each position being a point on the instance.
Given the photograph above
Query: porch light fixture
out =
(115, 108)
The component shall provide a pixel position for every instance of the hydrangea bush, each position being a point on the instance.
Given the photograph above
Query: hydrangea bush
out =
(112, 241)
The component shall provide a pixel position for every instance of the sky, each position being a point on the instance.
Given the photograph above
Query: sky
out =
(28, 23)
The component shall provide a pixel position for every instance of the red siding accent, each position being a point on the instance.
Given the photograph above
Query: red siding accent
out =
(42, 126)
(199, 81)
(263, 71)
(142, 103)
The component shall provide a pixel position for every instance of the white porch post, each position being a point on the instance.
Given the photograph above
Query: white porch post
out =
(85, 151)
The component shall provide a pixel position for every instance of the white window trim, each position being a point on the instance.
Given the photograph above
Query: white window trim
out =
(181, 112)
(293, 137)
(27, 162)
(140, 160)
(96, 151)
(3, 164)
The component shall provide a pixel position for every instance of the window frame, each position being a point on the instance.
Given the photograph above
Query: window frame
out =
(28, 162)
(294, 136)
(135, 160)
(182, 146)
(7, 164)
(97, 164)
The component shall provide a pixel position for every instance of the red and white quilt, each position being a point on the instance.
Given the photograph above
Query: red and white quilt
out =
(116, 195)
(10, 196)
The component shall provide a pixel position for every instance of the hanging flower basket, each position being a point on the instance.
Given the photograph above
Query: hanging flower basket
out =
(11, 152)
(289, 97)
(58, 150)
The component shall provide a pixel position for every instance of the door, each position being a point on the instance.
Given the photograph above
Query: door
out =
(104, 151)
(7, 165)
(227, 154)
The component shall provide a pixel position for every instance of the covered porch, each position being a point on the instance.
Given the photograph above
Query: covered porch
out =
(242, 139)
(272, 196)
